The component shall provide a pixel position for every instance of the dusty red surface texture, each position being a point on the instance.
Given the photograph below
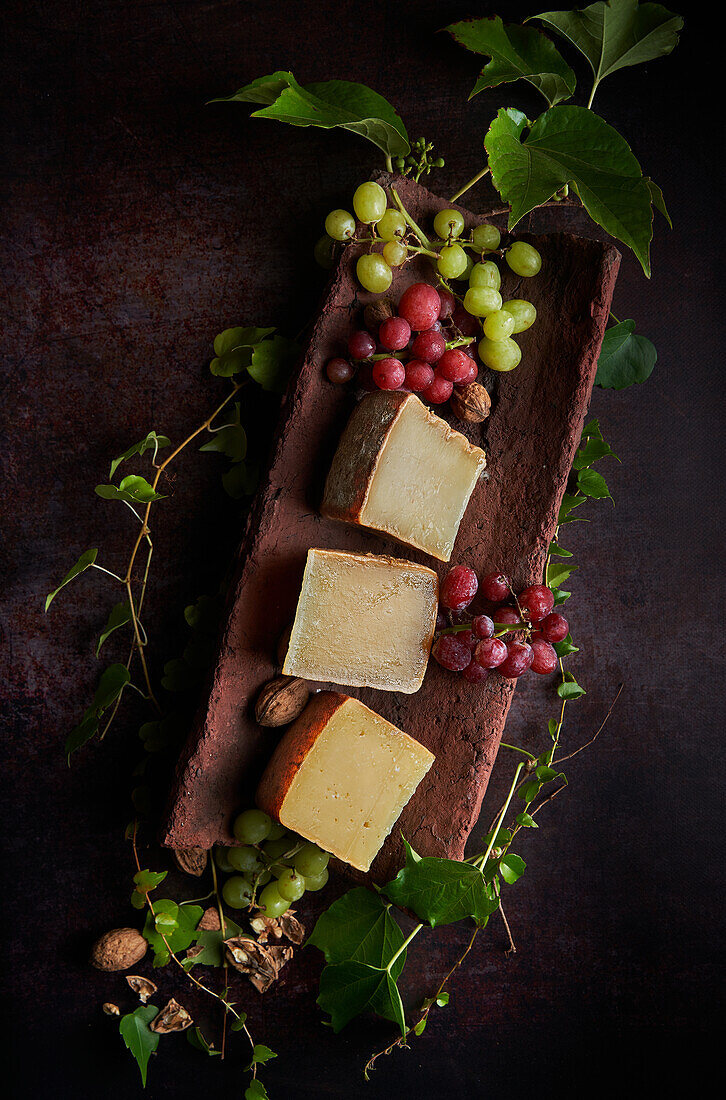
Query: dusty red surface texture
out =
(530, 439)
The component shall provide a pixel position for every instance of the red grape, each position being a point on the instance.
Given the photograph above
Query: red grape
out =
(429, 346)
(490, 652)
(544, 658)
(420, 305)
(458, 588)
(506, 616)
(555, 627)
(389, 374)
(466, 324)
(468, 637)
(339, 371)
(456, 365)
(483, 626)
(451, 653)
(394, 333)
(495, 587)
(537, 600)
(419, 375)
(475, 674)
(448, 304)
(439, 391)
(519, 659)
(471, 375)
(361, 345)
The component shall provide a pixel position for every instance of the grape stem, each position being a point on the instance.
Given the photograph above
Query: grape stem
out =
(416, 228)
(475, 179)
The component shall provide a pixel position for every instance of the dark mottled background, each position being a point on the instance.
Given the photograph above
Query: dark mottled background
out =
(139, 222)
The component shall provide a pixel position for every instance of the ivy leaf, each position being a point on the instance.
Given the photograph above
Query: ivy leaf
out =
(593, 484)
(272, 363)
(133, 489)
(592, 447)
(230, 440)
(616, 34)
(120, 615)
(197, 1040)
(626, 358)
(112, 683)
(557, 574)
(260, 1055)
(233, 350)
(152, 440)
(517, 53)
(359, 927)
(570, 689)
(442, 891)
(138, 1036)
(334, 103)
(181, 935)
(571, 145)
(84, 562)
(511, 867)
(349, 988)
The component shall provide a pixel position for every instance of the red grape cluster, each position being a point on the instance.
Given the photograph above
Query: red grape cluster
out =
(414, 333)
(510, 640)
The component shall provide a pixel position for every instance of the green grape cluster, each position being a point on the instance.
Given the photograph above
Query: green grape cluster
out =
(269, 867)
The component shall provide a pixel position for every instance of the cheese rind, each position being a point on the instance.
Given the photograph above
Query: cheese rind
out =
(363, 620)
(341, 777)
(402, 471)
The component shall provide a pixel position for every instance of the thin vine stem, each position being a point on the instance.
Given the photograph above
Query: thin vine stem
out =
(470, 183)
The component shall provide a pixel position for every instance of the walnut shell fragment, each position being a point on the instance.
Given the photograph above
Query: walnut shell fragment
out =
(143, 987)
(173, 1017)
(210, 920)
(281, 701)
(193, 861)
(472, 403)
(261, 964)
(276, 927)
(111, 1009)
(118, 949)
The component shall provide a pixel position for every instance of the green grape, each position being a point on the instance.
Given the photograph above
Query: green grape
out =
(523, 259)
(373, 273)
(392, 225)
(276, 831)
(316, 882)
(481, 300)
(501, 355)
(448, 223)
(252, 827)
(340, 225)
(221, 858)
(272, 901)
(324, 252)
(263, 878)
(523, 312)
(311, 861)
(468, 269)
(237, 892)
(246, 859)
(499, 325)
(486, 274)
(273, 850)
(452, 261)
(394, 253)
(370, 202)
(291, 885)
(486, 238)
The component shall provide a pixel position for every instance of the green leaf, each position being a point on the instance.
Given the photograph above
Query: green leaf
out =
(349, 988)
(557, 574)
(183, 934)
(656, 197)
(211, 941)
(120, 615)
(112, 683)
(569, 503)
(233, 350)
(546, 773)
(565, 647)
(517, 53)
(560, 594)
(334, 103)
(240, 480)
(204, 614)
(442, 1000)
(570, 689)
(230, 440)
(260, 1055)
(593, 451)
(626, 358)
(138, 1036)
(617, 34)
(256, 1090)
(593, 484)
(133, 489)
(84, 562)
(559, 551)
(526, 821)
(178, 675)
(272, 363)
(149, 880)
(511, 867)
(152, 440)
(359, 926)
(240, 1020)
(571, 145)
(197, 1040)
(441, 891)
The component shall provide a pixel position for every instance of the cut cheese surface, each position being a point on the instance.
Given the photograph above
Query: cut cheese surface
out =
(364, 621)
(401, 470)
(341, 777)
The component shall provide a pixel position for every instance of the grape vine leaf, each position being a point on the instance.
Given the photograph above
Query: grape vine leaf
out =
(333, 103)
(84, 562)
(231, 440)
(593, 484)
(557, 574)
(119, 616)
(441, 891)
(112, 683)
(570, 501)
(511, 867)
(133, 489)
(138, 1036)
(182, 921)
(349, 988)
(571, 145)
(260, 1055)
(592, 447)
(359, 926)
(570, 689)
(272, 363)
(256, 1090)
(152, 440)
(517, 53)
(616, 34)
(211, 941)
(233, 349)
(626, 358)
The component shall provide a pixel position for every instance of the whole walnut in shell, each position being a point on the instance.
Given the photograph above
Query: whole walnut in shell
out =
(118, 949)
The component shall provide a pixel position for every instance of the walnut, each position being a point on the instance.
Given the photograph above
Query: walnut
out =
(281, 701)
(142, 986)
(261, 964)
(276, 927)
(472, 403)
(292, 929)
(111, 1009)
(210, 920)
(193, 861)
(173, 1017)
(118, 949)
(376, 313)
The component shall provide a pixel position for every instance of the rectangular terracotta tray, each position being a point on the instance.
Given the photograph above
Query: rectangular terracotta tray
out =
(530, 439)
